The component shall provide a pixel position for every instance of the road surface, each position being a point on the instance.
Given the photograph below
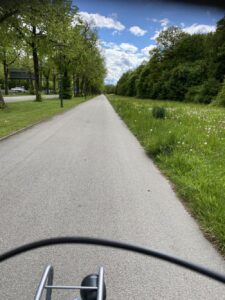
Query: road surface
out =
(84, 173)
(9, 99)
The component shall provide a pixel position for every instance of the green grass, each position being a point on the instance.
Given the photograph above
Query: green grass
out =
(22, 114)
(189, 147)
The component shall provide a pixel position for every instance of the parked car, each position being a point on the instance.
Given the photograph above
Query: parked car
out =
(18, 89)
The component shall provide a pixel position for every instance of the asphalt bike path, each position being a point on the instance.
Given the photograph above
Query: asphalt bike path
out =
(84, 173)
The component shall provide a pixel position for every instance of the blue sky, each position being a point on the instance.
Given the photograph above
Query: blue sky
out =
(127, 30)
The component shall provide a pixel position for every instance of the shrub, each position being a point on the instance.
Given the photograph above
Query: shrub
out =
(203, 93)
(192, 93)
(220, 99)
(159, 112)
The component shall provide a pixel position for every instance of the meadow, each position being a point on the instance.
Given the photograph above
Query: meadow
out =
(188, 146)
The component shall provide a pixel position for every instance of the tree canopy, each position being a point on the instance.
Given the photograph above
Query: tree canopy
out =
(52, 39)
(182, 67)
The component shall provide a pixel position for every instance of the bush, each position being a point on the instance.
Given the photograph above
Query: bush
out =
(192, 93)
(220, 99)
(159, 112)
(203, 93)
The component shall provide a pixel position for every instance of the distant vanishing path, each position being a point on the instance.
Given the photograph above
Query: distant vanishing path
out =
(84, 173)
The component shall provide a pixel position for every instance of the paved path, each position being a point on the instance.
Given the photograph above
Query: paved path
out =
(84, 173)
(9, 99)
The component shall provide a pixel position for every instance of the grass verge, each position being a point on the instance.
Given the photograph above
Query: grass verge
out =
(19, 115)
(189, 147)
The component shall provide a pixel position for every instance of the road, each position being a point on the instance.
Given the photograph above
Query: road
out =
(9, 99)
(84, 173)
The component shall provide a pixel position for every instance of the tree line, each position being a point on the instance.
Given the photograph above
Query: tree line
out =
(48, 39)
(182, 67)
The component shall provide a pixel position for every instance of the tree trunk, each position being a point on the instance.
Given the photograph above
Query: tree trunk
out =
(2, 102)
(77, 86)
(36, 68)
(47, 84)
(31, 86)
(6, 77)
(82, 86)
(40, 78)
(74, 85)
(54, 83)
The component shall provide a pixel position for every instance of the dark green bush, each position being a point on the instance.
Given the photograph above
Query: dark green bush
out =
(203, 93)
(192, 93)
(220, 99)
(159, 112)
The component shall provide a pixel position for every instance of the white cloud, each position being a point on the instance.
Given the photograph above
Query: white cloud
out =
(136, 30)
(128, 48)
(154, 37)
(164, 22)
(147, 49)
(97, 20)
(115, 32)
(193, 29)
(199, 28)
(122, 57)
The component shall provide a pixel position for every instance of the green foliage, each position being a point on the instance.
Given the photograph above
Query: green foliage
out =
(109, 89)
(181, 67)
(66, 86)
(203, 93)
(159, 112)
(168, 38)
(188, 146)
(193, 93)
(122, 85)
(220, 99)
(50, 33)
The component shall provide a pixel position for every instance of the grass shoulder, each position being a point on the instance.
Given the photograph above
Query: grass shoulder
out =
(188, 145)
(19, 115)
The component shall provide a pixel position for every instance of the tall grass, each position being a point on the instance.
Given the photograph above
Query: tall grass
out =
(189, 147)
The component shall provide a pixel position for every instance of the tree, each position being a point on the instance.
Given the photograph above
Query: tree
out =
(169, 37)
(109, 89)
(10, 50)
(181, 67)
(45, 27)
(40, 24)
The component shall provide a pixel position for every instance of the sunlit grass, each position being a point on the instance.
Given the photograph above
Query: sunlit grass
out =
(22, 114)
(189, 147)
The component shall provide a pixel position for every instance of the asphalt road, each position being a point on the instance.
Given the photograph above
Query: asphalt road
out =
(84, 173)
(9, 99)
